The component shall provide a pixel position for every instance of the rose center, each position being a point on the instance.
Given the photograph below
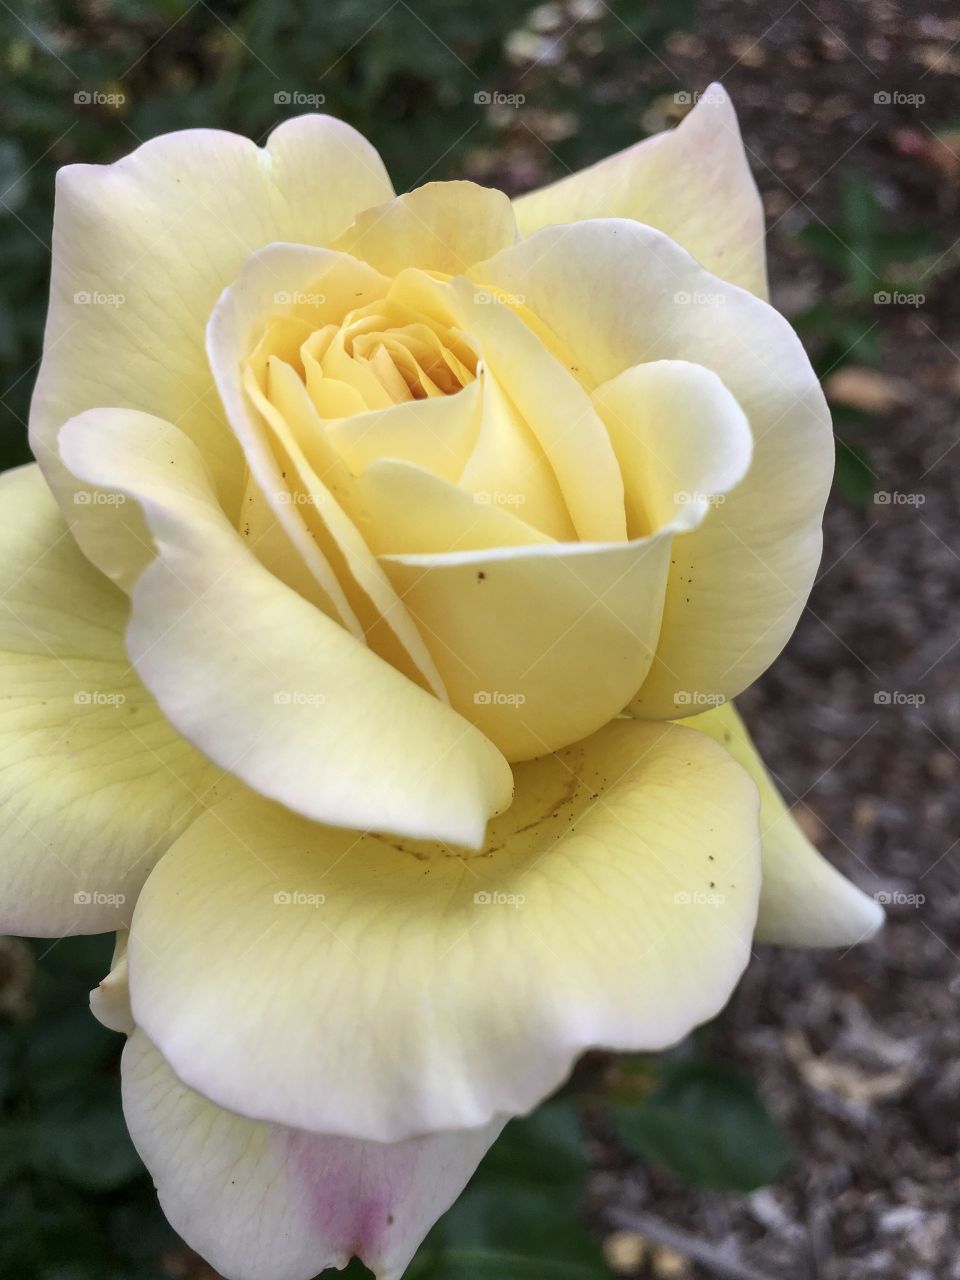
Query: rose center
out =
(380, 354)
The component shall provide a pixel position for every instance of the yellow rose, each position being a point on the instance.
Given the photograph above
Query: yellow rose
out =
(379, 543)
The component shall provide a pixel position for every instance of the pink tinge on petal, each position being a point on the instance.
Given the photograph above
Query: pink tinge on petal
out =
(376, 1201)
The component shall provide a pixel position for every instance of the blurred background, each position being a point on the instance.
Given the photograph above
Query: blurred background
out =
(810, 1133)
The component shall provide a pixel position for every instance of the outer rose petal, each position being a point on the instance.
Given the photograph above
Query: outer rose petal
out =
(804, 900)
(381, 989)
(165, 229)
(263, 682)
(693, 182)
(94, 784)
(621, 294)
(264, 1202)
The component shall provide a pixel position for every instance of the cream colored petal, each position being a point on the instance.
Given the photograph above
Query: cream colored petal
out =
(322, 285)
(539, 645)
(264, 1202)
(94, 784)
(804, 900)
(693, 182)
(379, 988)
(413, 511)
(141, 251)
(509, 467)
(438, 433)
(540, 380)
(681, 438)
(265, 684)
(620, 294)
(441, 226)
(110, 999)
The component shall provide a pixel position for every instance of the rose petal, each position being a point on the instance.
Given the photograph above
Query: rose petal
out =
(441, 226)
(165, 229)
(692, 182)
(263, 682)
(804, 900)
(620, 294)
(94, 784)
(359, 985)
(264, 1202)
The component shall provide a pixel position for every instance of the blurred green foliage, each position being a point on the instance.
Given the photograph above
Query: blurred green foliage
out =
(872, 259)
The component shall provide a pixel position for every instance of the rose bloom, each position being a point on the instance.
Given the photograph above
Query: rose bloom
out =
(376, 547)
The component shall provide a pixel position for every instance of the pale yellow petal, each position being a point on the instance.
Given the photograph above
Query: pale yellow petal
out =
(94, 783)
(804, 900)
(621, 294)
(693, 182)
(381, 988)
(265, 1202)
(441, 226)
(141, 251)
(264, 683)
(321, 285)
